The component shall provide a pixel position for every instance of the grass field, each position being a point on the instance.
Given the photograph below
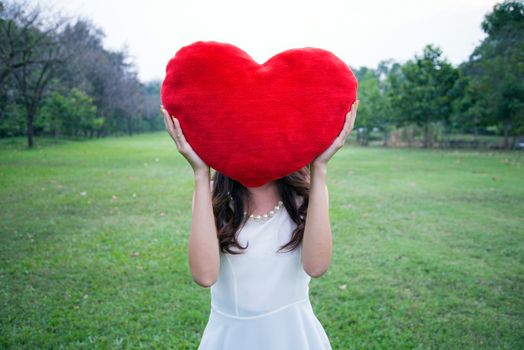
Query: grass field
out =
(428, 248)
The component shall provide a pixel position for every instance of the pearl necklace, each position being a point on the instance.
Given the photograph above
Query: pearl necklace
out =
(268, 214)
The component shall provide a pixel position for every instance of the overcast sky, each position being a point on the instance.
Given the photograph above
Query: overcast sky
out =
(361, 33)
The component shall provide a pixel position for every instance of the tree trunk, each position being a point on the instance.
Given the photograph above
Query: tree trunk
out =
(426, 134)
(409, 135)
(506, 136)
(431, 135)
(30, 132)
(129, 126)
(366, 137)
(386, 134)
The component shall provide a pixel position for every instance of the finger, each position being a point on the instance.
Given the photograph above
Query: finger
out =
(350, 112)
(355, 114)
(176, 133)
(347, 127)
(341, 141)
(169, 123)
(352, 115)
(347, 124)
(348, 117)
(164, 112)
(180, 132)
(341, 138)
(344, 130)
(165, 115)
(348, 131)
(170, 127)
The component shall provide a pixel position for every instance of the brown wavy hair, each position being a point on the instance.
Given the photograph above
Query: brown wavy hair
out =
(230, 199)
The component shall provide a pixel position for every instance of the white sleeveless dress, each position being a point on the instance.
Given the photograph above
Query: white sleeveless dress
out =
(260, 300)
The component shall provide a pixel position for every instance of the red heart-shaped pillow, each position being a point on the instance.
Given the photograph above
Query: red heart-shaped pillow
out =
(257, 122)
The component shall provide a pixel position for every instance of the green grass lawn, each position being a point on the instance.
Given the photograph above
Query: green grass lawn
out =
(428, 248)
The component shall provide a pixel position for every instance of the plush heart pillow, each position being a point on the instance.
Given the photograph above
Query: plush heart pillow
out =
(257, 122)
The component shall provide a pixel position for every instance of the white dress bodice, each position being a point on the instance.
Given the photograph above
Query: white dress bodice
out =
(260, 300)
(260, 280)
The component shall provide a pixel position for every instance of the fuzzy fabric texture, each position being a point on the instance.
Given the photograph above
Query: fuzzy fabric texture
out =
(257, 122)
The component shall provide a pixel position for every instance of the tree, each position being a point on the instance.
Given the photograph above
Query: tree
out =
(108, 76)
(422, 95)
(58, 62)
(29, 54)
(386, 117)
(152, 114)
(495, 72)
(370, 98)
(71, 114)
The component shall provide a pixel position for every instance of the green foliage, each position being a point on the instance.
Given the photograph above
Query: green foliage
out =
(483, 96)
(12, 120)
(375, 108)
(494, 74)
(505, 20)
(87, 89)
(369, 97)
(423, 96)
(72, 114)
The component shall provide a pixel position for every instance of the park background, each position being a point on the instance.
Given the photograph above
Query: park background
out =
(426, 200)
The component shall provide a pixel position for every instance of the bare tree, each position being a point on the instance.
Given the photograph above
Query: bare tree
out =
(30, 52)
(39, 55)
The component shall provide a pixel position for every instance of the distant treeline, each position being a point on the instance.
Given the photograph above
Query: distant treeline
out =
(483, 96)
(57, 79)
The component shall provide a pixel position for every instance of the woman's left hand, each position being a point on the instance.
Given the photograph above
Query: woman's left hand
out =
(339, 142)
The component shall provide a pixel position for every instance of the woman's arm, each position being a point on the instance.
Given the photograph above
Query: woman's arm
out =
(317, 240)
(203, 242)
(203, 252)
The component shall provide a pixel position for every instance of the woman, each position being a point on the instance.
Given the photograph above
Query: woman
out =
(257, 248)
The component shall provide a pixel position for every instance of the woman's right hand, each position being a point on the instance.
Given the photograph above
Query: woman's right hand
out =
(174, 129)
